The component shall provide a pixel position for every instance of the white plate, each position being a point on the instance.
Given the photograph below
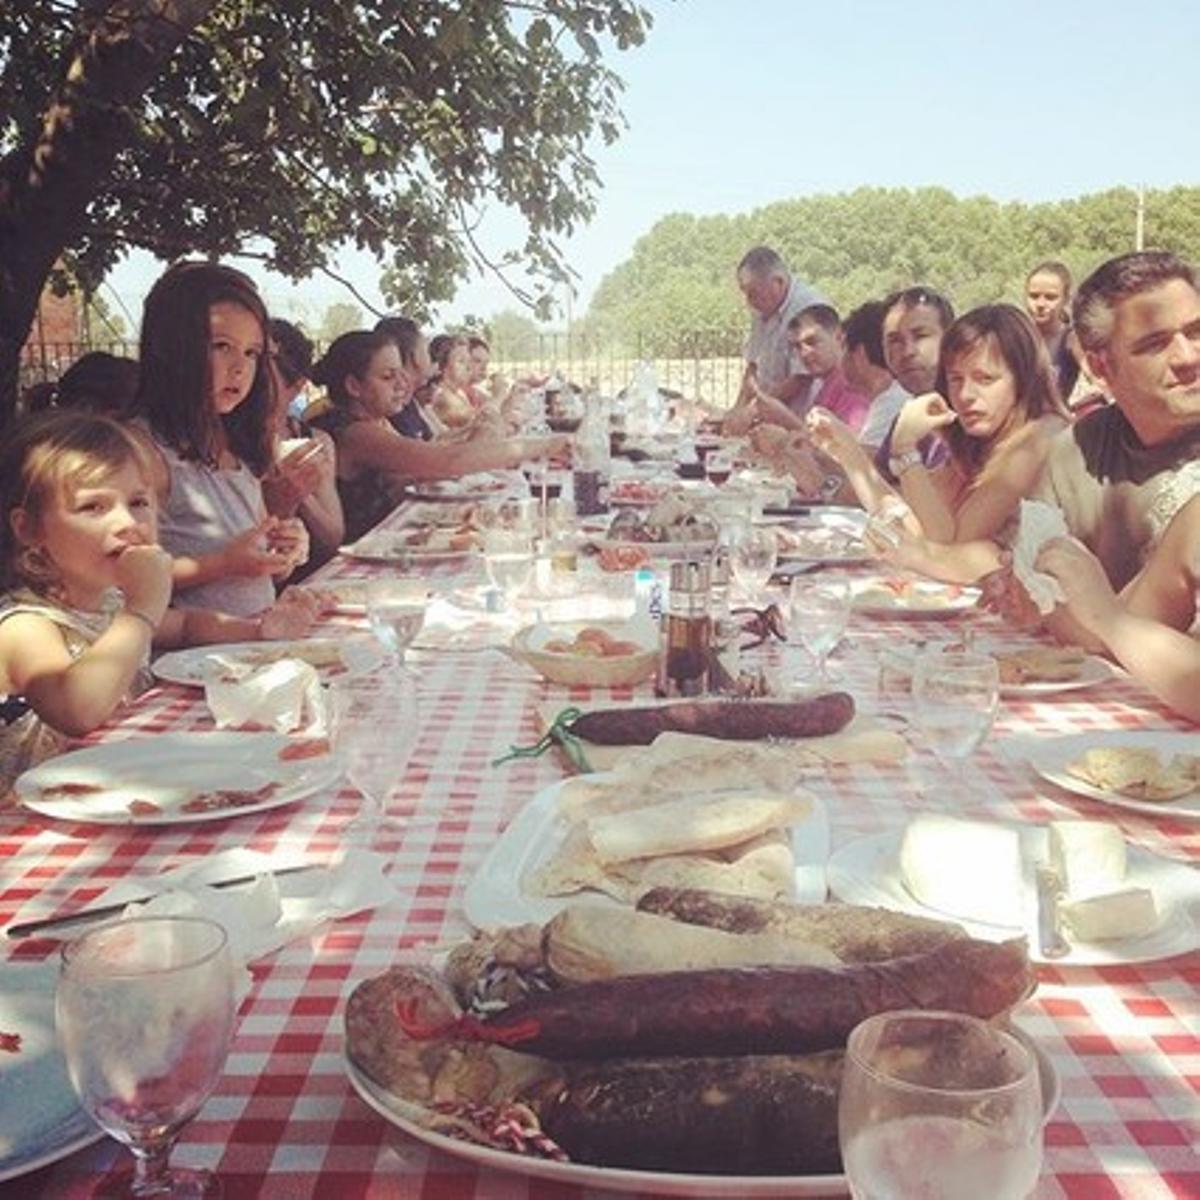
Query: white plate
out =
(42, 1118)
(495, 895)
(658, 1183)
(1092, 671)
(1049, 758)
(941, 600)
(169, 769)
(867, 871)
(387, 545)
(186, 667)
(468, 488)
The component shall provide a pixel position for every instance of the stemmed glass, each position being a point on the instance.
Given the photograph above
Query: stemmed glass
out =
(375, 725)
(753, 557)
(396, 610)
(145, 1013)
(509, 561)
(939, 1105)
(955, 698)
(817, 616)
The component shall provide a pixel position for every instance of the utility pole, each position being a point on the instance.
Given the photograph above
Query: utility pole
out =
(1139, 237)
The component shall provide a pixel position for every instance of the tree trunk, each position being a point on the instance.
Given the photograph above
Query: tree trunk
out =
(47, 182)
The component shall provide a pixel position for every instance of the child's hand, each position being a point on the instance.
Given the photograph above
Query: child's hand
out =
(288, 541)
(144, 575)
(249, 553)
(291, 616)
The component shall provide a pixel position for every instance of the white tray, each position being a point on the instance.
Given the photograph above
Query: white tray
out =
(495, 896)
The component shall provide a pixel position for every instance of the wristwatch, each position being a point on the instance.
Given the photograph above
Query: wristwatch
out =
(899, 463)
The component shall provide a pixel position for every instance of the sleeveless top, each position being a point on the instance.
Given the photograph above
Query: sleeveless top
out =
(206, 509)
(25, 740)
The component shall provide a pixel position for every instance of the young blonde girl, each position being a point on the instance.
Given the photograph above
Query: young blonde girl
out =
(206, 396)
(86, 586)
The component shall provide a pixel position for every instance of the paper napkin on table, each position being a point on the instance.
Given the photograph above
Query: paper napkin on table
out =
(262, 916)
(284, 696)
(1038, 524)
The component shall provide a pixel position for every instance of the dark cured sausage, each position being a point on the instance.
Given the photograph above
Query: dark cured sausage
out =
(735, 720)
(768, 1010)
(767, 1115)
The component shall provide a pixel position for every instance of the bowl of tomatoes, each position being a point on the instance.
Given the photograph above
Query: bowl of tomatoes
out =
(588, 654)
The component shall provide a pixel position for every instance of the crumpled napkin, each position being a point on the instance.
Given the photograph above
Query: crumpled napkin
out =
(262, 916)
(1038, 524)
(284, 696)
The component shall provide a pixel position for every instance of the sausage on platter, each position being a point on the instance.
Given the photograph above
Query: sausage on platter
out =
(768, 1010)
(735, 720)
(765, 1115)
(854, 933)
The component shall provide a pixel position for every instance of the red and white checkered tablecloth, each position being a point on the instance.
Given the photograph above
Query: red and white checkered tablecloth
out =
(283, 1121)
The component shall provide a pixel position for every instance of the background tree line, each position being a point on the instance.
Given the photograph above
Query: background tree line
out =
(677, 294)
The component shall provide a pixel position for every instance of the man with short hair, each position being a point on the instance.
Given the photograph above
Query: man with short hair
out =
(1122, 472)
(866, 371)
(816, 335)
(774, 296)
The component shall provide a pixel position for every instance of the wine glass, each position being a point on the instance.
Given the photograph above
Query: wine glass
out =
(753, 557)
(375, 725)
(718, 466)
(509, 561)
(818, 612)
(939, 1105)
(955, 697)
(396, 610)
(145, 1011)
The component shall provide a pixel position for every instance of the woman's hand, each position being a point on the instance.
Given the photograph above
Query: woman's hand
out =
(920, 416)
(1089, 595)
(144, 576)
(291, 616)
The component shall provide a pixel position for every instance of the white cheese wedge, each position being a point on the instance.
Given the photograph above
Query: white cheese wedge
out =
(969, 869)
(1088, 856)
(1127, 914)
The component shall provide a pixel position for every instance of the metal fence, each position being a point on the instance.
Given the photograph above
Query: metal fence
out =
(711, 375)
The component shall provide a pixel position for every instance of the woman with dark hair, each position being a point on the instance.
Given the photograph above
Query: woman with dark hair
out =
(1048, 302)
(367, 386)
(995, 408)
(207, 399)
(417, 365)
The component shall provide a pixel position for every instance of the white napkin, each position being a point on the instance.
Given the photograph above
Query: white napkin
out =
(262, 916)
(284, 696)
(1038, 523)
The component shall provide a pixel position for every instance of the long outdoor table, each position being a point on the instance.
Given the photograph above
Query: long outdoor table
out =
(284, 1121)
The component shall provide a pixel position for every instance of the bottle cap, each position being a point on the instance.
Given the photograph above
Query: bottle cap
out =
(689, 577)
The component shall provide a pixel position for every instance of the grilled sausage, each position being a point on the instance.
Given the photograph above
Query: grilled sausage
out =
(769, 1010)
(735, 720)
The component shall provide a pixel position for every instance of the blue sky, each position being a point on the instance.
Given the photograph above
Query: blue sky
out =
(734, 105)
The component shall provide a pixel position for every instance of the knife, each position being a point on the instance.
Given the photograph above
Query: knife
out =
(84, 915)
(1051, 943)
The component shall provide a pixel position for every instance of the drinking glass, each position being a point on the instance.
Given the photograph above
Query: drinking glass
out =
(755, 551)
(145, 1012)
(396, 610)
(718, 466)
(375, 725)
(817, 615)
(955, 697)
(939, 1105)
(509, 560)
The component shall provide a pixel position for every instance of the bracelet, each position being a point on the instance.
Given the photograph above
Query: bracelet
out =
(141, 616)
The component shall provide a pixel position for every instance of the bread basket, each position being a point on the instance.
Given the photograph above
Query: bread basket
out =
(575, 670)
